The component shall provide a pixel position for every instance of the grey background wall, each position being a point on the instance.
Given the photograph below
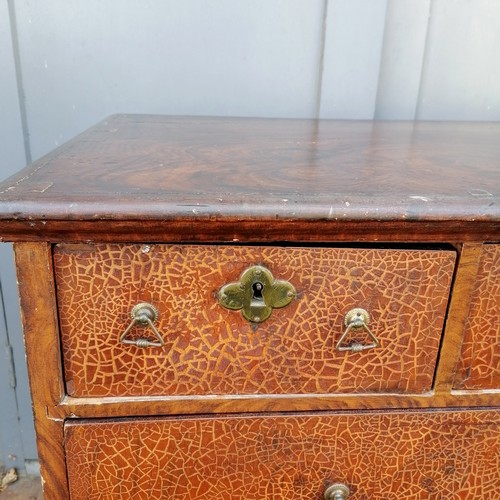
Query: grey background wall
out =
(65, 65)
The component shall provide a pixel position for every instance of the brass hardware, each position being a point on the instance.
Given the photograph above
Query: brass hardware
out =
(256, 294)
(337, 491)
(144, 315)
(356, 319)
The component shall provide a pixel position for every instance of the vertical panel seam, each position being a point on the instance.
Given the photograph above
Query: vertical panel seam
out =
(376, 107)
(319, 90)
(19, 80)
(28, 158)
(8, 348)
(424, 61)
(15, 431)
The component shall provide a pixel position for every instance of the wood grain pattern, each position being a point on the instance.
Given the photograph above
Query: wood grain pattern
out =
(210, 350)
(223, 404)
(465, 277)
(425, 455)
(184, 168)
(39, 316)
(479, 366)
(250, 231)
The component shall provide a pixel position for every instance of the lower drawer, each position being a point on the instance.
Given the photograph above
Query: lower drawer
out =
(381, 455)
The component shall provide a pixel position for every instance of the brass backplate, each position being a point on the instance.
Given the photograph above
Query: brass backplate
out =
(256, 294)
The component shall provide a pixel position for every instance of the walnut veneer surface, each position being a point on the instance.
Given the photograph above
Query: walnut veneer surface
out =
(399, 218)
(210, 350)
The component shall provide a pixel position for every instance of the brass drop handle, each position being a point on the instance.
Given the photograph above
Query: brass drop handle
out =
(337, 491)
(356, 319)
(143, 315)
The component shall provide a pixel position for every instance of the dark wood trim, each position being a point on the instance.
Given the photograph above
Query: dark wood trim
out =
(249, 231)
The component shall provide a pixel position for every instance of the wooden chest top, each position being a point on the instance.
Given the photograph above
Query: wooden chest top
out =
(440, 180)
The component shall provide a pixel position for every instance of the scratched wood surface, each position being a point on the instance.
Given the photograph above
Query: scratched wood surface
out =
(151, 168)
(425, 455)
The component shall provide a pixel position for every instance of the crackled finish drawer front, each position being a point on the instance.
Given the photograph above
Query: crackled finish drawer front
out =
(479, 366)
(212, 350)
(425, 455)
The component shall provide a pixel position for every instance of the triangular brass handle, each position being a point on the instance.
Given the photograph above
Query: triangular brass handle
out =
(144, 315)
(356, 319)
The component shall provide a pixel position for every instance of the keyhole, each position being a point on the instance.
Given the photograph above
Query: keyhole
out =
(257, 290)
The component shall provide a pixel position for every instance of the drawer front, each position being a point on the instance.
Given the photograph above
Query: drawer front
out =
(405, 455)
(212, 350)
(479, 366)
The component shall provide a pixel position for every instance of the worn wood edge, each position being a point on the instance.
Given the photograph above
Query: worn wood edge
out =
(172, 206)
(210, 231)
(157, 405)
(458, 311)
(72, 423)
(38, 309)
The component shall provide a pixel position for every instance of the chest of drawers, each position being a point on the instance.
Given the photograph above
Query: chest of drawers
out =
(263, 309)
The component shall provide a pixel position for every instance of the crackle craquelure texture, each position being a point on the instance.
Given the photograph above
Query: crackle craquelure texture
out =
(479, 366)
(211, 350)
(425, 455)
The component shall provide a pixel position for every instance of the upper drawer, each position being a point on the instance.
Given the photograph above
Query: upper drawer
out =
(479, 366)
(212, 350)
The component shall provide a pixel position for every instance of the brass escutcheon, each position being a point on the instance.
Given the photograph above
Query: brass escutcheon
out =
(256, 294)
